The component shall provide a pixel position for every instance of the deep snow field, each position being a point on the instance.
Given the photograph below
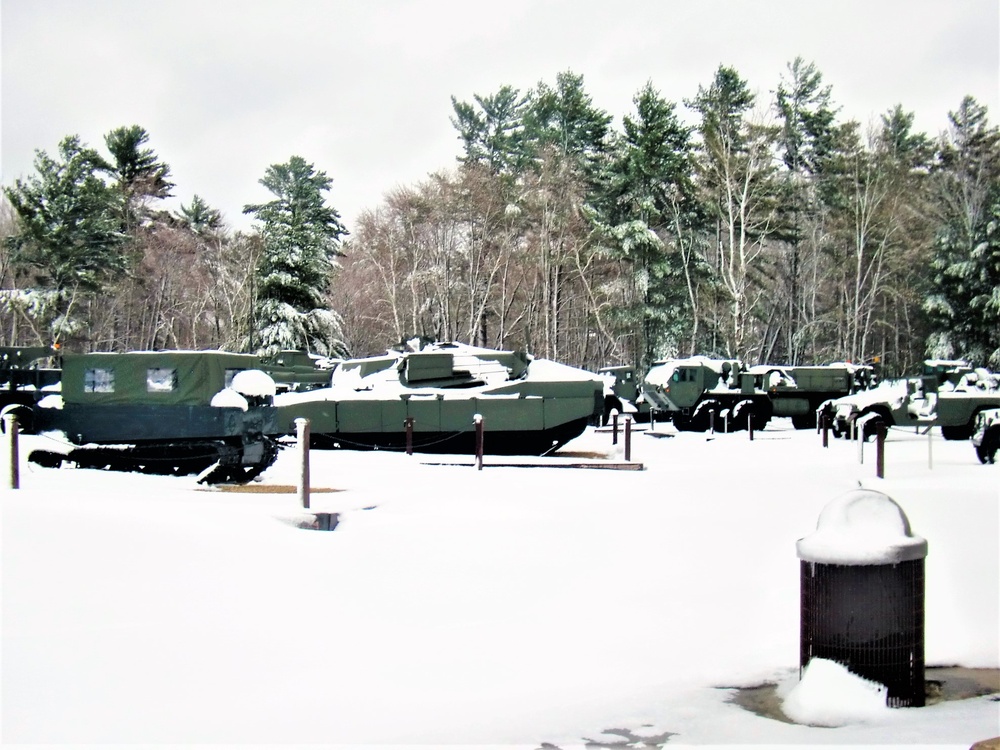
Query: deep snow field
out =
(507, 607)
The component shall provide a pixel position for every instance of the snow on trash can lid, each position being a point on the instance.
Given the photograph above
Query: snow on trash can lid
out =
(862, 527)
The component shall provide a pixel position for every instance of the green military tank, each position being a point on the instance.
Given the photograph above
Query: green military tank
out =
(432, 397)
(163, 412)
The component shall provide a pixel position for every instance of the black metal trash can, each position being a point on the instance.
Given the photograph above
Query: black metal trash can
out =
(862, 594)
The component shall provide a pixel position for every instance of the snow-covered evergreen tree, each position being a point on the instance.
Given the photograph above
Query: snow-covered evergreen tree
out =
(964, 300)
(301, 243)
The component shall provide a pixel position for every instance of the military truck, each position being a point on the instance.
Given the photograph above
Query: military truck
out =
(698, 392)
(986, 435)
(947, 394)
(163, 412)
(623, 393)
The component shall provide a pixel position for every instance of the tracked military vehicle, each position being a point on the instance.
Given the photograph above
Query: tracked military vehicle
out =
(528, 406)
(164, 412)
(698, 392)
(947, 394)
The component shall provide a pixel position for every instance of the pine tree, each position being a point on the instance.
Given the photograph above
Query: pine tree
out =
(141, 175)
(301, 243)
(964, 300)
(652, 211)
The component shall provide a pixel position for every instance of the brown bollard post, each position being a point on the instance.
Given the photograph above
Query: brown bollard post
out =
(826, 430)
(302, 435)
(408, 424)
(711, 422)
(479, 441)
(614, 427)
(750, 426)
(14, 478)
(880, 450)
(628, 438)
(652, 420)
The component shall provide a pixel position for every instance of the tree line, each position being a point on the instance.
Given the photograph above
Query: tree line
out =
(768, 231)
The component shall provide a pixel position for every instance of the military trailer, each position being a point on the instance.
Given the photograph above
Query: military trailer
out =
(528, 406)
(946, 395)
(986, 435)
(800, 391)
(164, 412)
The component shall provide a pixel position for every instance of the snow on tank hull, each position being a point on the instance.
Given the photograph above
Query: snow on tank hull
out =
(528, 406)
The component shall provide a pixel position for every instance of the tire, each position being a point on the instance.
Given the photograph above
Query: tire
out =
(987, 452)
(960, 432)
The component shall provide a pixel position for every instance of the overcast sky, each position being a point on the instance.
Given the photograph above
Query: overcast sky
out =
(361, 88)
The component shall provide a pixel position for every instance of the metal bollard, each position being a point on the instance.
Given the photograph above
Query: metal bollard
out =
(408, 424)
(628, 438)
(880, 450)
(13, 431)
(614, 427)
(302, 435)
(478, 419)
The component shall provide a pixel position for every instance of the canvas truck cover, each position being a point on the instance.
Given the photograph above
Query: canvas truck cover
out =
(169, 378)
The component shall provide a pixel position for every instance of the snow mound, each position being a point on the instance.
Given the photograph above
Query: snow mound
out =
(253, 383)
(227, 397)
(830, 696)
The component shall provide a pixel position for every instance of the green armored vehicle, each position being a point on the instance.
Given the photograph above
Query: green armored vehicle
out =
(948, 394)
(172, 412)
(528, 406)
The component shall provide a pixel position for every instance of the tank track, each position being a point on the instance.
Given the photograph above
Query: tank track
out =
(215, 461)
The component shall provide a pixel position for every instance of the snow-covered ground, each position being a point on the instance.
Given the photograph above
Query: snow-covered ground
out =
(511, 606)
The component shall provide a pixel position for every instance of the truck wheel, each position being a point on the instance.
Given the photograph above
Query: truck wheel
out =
(804, 421)
(959, 432)
(871, 427)
(987, 452)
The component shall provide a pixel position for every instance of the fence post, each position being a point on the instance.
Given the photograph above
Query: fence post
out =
(614, 427)
(711, 421)
(14, 478)
(826, 430)
(880, 450)
(750, 425)
(478, 419)
(628, 438)
(408, 424)
(302, 435)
